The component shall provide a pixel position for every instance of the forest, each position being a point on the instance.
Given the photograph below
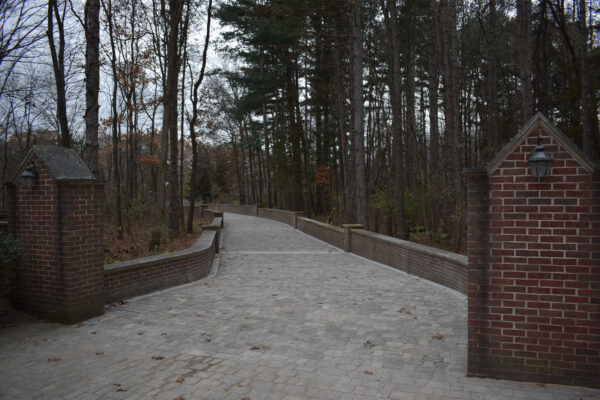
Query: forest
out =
(351, 111)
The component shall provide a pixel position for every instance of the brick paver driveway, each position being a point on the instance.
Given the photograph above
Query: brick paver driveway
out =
(285, 317)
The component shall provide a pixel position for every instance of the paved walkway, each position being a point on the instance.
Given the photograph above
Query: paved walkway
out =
(286, 317)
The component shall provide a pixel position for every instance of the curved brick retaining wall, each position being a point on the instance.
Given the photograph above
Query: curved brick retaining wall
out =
(145, 275)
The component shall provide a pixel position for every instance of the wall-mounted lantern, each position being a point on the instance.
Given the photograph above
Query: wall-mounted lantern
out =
(29, 176)
(539, 162)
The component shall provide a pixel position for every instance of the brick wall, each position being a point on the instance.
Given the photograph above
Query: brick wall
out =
(443, 267)
(145, 275)
(287, 217)
(534, 269)
(331, 234)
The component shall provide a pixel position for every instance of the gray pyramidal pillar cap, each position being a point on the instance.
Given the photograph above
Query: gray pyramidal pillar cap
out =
(61, 163)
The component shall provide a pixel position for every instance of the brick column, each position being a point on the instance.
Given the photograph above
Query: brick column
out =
(534, 259)
(478, 247)
(348, 235)
(61, 224)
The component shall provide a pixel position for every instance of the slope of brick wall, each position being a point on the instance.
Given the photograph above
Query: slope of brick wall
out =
(331, 234)
(539, 319)
(443, 267)
(145, 275)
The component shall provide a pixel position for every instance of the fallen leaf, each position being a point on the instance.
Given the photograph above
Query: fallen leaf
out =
(368, 372)
(52, 359)
(116, 384)
(275, 294)
(269, 268)
(180, 380)
(198, 315)
(370, 298)
(209, 334)
(255, 347)
(179, 398)
(541, 384)
(437, 336)
(260, 270)
(401, 309)
(140, 333)
(320, 302)
(243, 326)
(368, 345)
(80, 324)
(245, 398)
(122, 302)
(158, 358)
(207, 340)
(93, 332)
(408, 312)
(354, 304)
(99, 353)
(121, 390)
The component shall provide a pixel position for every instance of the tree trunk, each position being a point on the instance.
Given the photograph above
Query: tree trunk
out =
(525, 58)
(169, 129)
(585, 81)
(92, 84)
(116, 176)
(394, 77)
(492, 84)
(348, 191)
(362, 212)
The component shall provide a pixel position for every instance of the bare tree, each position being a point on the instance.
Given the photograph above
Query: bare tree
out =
(58, 66)
(194, 119)
(19, 26)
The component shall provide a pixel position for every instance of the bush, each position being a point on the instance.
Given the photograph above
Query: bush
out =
(10, 249)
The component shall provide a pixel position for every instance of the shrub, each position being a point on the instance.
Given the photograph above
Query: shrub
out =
(10, 249)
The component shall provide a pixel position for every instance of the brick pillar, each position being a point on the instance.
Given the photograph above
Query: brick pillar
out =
(60, 223)
(348, 235)
(478, 247)
(534, 264)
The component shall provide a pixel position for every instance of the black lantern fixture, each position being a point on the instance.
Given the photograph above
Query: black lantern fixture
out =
(539, 162)
(29, 176)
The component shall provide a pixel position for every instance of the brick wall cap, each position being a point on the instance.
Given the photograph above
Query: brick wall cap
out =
(540, 121)
(430, 251)
(474, 172)
(323, 224)
(353, 226)
(62, 163)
